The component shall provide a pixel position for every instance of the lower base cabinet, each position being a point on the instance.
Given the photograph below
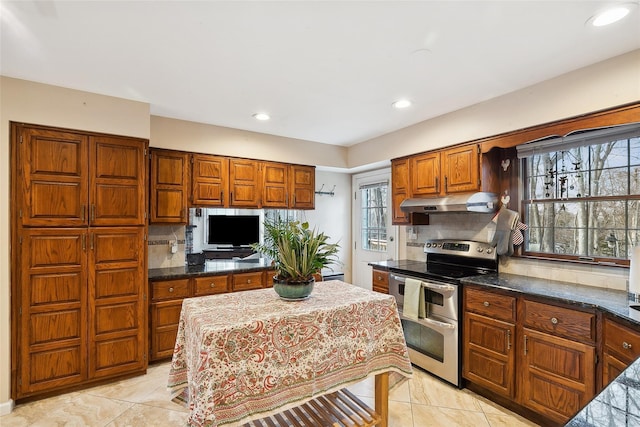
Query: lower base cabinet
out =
(621, 346)
(167, 296)
(539, 356)
(558, 375)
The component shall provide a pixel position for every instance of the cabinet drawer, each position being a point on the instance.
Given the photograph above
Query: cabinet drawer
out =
(621, 341)
(490, 304)
(381, 281)
(170, 289)
(211, 285)
(246, 281)
(561, 321)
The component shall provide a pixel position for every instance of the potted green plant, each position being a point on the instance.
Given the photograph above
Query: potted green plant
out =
(298, 252)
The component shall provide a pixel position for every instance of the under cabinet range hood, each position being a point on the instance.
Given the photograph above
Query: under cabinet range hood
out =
(475, 202)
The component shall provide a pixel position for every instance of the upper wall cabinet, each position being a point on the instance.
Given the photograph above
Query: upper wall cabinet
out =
(399, 189)
(275, 180)
(71, 179)
(244, 183)
(425, 174)
(432, 174)
(169, 186)
(302, 183)
(461, 169)
(209, 180)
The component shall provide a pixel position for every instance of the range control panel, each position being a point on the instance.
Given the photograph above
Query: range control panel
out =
(461, 248)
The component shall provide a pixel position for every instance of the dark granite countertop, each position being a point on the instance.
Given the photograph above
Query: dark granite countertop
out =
(210, 268)
(612, 301)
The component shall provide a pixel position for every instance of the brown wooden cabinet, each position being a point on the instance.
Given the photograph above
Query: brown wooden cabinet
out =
(425, 174)
(169, 184)
(489, 333)
(117, 302)
(275, 185)
(167, 296)
(209, 180)
(79, 229)
(538, 355)
(461, 169)
(399, 190)
(52, 326)
(380, 281)
(244, 183)
(70, 179)
(621, 346)
(302, 182)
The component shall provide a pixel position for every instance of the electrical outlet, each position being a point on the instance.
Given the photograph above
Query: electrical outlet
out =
(173, 246)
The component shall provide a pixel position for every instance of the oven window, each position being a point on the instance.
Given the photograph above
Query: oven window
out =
(424, 340)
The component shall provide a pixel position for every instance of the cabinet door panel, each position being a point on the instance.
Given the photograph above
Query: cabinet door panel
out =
(165, 317)
(117, 310)
(168, 187)
(53, 190)
(380, 281)
(52, 301)
(489, 357)
(425, 174)
(211, 285)
(399, 189)
(244, 183)
(210, 180)
(302, 187)
(561, 321)
(274, 185)
(461, 169)
(118, 177)
(558, 375)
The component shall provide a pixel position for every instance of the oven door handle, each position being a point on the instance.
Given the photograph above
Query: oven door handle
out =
(437, 287)
(438, 325)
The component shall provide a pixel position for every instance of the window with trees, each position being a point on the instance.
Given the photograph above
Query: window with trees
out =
(582, 195)
(374, 216)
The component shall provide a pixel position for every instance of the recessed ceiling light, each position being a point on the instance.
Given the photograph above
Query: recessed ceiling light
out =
(401, 103)
(261, 116)
(610, 16)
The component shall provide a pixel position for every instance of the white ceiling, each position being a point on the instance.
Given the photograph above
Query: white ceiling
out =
(326, 71)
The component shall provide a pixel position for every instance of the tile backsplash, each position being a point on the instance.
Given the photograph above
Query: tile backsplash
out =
(159, 248)
(479, 227)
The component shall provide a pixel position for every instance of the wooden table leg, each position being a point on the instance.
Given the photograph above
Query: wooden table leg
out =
(382, 398)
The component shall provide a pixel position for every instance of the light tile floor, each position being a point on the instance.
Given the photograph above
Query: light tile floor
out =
(144, 401)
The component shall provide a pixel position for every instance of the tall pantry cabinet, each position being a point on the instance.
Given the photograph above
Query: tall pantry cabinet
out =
(78, 258)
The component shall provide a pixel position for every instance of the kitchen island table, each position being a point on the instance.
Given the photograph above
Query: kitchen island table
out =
(247, 355)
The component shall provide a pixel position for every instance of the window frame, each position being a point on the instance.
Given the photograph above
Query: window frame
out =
(589, 230)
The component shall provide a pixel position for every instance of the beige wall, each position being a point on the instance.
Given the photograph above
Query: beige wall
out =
(603, 85)
(600, 86)
(202, 138)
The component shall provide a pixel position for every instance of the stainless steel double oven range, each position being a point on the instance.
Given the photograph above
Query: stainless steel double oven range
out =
(434, 341)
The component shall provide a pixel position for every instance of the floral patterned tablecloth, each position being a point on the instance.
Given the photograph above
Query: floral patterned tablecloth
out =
(245, 355)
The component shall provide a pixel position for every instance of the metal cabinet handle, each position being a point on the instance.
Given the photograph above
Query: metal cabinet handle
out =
(170, 289)
(212, 285)
(84, 241)
(525, 345)
(626, 345)
(222, 197)
(508, 340)
(248, 280)
(93, 212)
(554, 320)
(437, 185)
(82, 212)
(379, 278)
(486, 303)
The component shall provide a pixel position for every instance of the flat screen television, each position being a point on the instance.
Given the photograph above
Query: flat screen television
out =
(234, 230)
